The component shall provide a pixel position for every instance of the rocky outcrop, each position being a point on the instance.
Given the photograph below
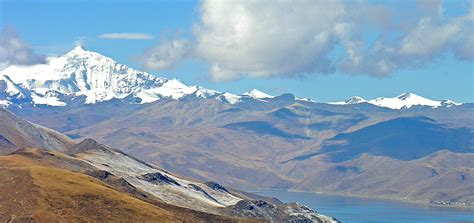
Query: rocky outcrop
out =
(158, 178)
(216, 186)
(294, 212)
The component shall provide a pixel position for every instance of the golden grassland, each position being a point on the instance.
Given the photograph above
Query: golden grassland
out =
(83, 198)
(62, 195)
(35, 190)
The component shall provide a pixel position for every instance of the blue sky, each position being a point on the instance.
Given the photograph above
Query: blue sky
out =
(54, 27)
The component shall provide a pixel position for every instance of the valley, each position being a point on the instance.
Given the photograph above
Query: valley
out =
(89, 181)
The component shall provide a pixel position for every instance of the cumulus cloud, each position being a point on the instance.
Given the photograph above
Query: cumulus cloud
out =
(14, 51)
(464, 49)
(166, 54)
(426, 41)
(129, 36)
(265, 39)
(294, 39)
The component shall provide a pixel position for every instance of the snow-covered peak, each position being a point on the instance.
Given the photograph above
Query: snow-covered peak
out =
(80, 72)
(97, 78)
(350, 101)
(405, 100)
(174, 89)
(406, 95)
(230, 98)
(79, 49)
(9, 87)
(252, 95)
(355, 100)
(257, 94)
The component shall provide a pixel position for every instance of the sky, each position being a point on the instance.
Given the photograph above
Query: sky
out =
(326, 50)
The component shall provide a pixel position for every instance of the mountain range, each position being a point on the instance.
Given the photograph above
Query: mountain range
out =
(51, 178)
(86, 77)
(407, 147)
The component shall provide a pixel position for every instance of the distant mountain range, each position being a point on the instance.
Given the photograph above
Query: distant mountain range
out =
(408, 147)
(405, 100)
(86, 77)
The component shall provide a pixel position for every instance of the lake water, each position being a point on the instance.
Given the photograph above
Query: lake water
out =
(347, 209)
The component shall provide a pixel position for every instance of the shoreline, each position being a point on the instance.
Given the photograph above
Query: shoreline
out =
(366, 197)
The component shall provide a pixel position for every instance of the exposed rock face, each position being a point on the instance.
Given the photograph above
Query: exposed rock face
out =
(258, 208)
(158, 178)
(294, 213)
(100, 174)
(216, 186)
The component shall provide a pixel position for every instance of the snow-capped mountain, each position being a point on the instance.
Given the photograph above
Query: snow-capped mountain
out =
(96, 78)
(405, 100)
(253, 95)
(350, 101)
(257, 94)
(10, 92)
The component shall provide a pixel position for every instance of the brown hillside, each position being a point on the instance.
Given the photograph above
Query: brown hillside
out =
(34, 191)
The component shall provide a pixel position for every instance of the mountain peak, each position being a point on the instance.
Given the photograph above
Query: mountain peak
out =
(406, 95)
(96, 78)
(78, 49)
(81, 52)
(355, 100)
(405, 100)
(350, 101)
(257, 94)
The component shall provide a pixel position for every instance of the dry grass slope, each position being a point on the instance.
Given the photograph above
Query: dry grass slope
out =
(35, 191)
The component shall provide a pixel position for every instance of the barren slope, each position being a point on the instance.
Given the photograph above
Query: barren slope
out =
(17, 133)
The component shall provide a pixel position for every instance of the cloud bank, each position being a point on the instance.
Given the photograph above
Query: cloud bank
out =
(166, 54)
(13, 51)
(264, 39)
(422, 43)
(129, 36)
(304, 37)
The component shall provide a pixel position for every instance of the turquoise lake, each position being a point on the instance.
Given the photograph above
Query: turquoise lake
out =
(348, 209)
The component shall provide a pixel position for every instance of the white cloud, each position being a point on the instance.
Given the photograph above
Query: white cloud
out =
(464, 49)
(14, 51)
(266, 39)
(166, 54)
(80, 41)
(130, 36)
(423, 43)
(426, 38)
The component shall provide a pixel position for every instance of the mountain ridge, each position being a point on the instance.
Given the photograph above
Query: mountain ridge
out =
(405, 100)
(89, 181)
(80, 73)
